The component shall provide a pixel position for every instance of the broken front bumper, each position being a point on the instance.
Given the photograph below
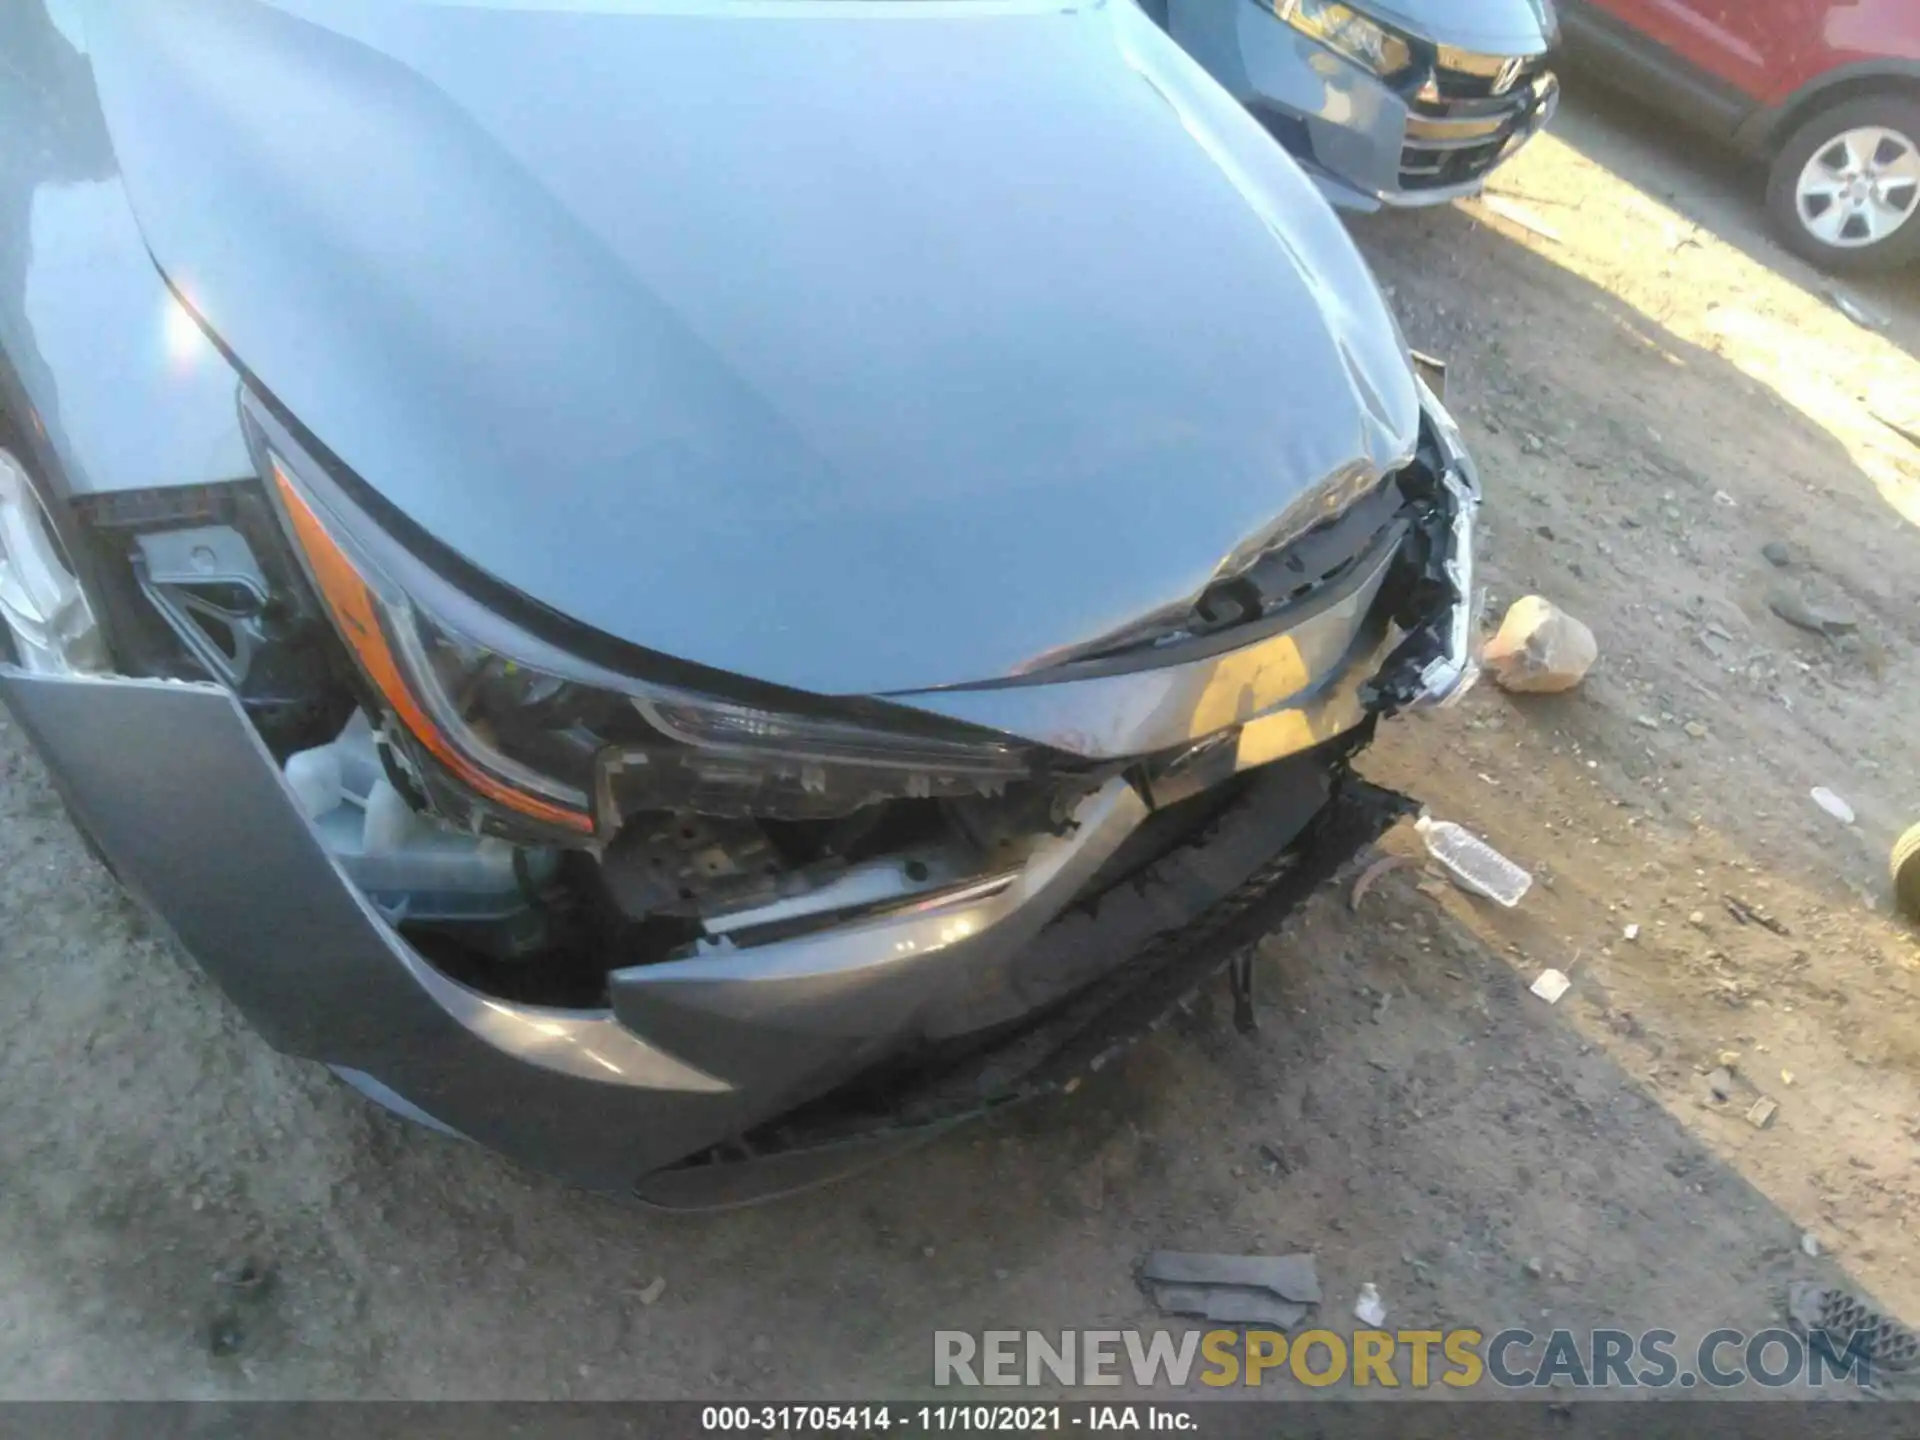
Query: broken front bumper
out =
(177, 789)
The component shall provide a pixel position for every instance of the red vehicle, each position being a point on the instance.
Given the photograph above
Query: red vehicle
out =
(1826, 91)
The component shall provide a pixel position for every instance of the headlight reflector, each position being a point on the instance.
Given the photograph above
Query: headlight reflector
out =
(1346, 31)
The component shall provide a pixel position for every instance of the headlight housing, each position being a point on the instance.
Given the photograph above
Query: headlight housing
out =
(1346, 31)
(522, 737)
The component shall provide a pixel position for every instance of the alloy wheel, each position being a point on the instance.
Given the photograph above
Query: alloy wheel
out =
(1860, 187)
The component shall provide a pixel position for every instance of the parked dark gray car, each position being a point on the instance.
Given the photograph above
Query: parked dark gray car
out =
(629, 576)
(1385, 102)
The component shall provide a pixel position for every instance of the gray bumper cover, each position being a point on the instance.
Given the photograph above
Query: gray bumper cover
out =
(175, 787)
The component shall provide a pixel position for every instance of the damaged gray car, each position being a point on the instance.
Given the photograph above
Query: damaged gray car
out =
(696, 592)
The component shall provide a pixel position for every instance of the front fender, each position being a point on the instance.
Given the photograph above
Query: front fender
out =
(108, 382)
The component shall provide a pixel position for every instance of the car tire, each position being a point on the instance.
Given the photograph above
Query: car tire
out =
(1826, 147)
(1904, 866)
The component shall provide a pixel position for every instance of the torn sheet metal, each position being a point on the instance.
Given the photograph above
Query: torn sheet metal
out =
(1227, 1304)
(1232, 1289)
(1291, 1277)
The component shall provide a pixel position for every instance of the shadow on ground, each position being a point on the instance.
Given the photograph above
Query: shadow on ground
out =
(1717, 188)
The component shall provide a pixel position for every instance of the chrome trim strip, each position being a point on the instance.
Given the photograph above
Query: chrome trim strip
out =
(1447, 678)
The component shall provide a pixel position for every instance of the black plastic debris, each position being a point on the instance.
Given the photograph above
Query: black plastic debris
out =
(225, 1335)
(1842, 1315)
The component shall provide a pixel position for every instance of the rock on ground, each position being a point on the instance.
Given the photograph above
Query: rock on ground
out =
(1540, 648)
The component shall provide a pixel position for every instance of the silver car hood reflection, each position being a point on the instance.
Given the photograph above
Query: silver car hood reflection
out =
(853, 345)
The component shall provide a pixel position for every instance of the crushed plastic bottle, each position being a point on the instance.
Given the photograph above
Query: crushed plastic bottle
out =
(1474, 864)
(1369, 1308)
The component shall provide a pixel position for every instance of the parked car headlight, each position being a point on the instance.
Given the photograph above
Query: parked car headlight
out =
(1346, 31)
(564, 745)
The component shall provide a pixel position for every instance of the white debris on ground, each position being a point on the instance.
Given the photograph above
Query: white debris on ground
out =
(1551, 985)
(1370, 1309)
(1833, 804)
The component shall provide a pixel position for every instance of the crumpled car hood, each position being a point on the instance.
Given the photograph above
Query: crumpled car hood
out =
(853, 345)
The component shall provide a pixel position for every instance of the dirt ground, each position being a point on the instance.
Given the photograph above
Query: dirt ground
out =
(1653, 392)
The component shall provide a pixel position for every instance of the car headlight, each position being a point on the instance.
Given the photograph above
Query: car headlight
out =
(552, 742)
(1343, 29)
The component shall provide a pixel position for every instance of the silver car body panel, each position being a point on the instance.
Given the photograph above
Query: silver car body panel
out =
(1155, 710)
(313, 966)
(108, 372)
